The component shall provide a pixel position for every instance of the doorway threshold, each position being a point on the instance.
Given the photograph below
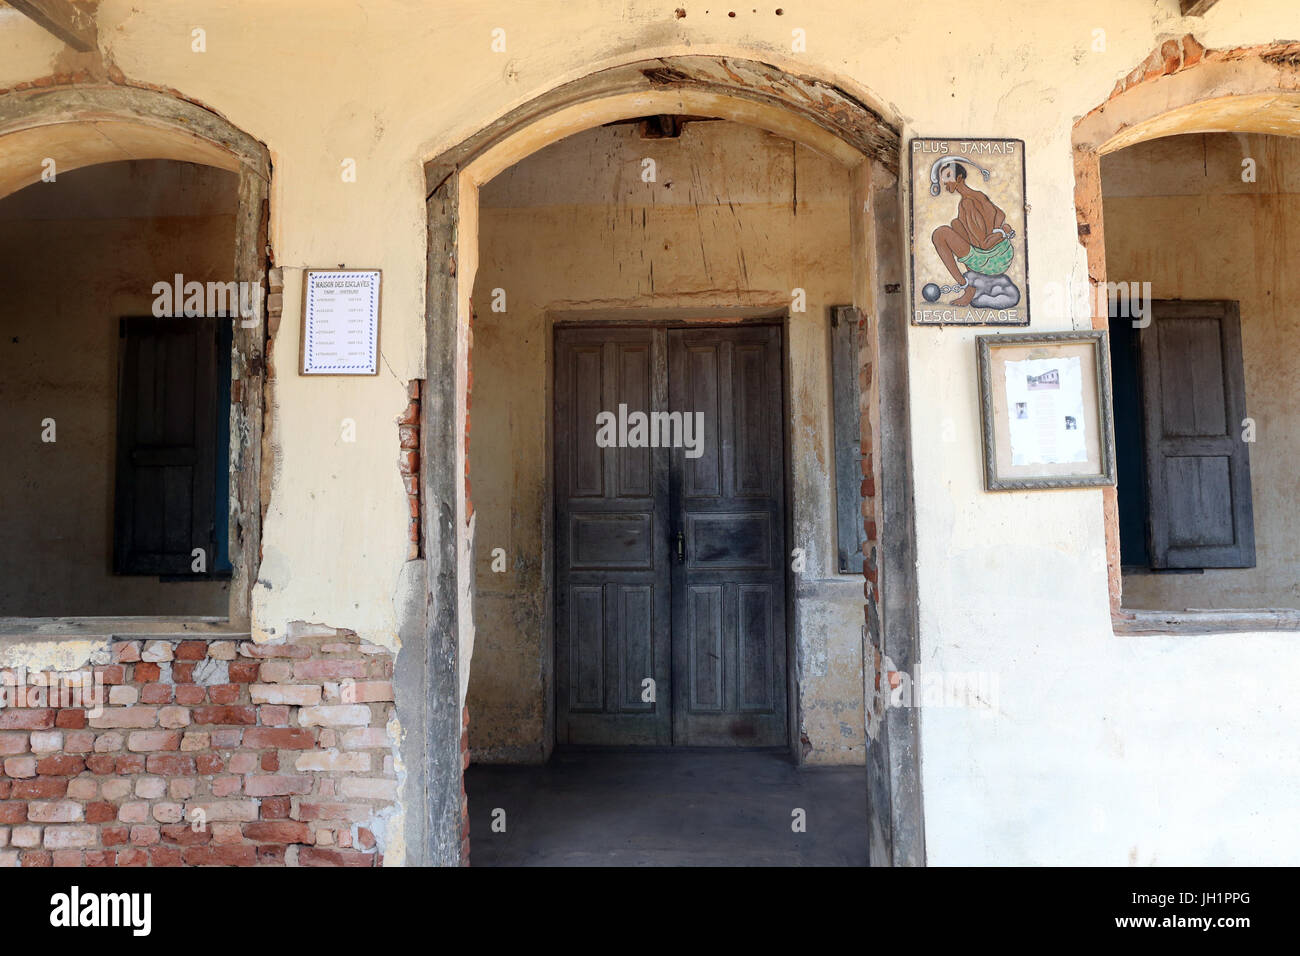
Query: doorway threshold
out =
(670, 807)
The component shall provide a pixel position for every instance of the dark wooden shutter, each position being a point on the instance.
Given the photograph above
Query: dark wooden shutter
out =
(166, 443)
(613, 615)
(1198, 466)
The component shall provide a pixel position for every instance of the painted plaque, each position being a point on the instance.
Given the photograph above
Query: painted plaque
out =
(340, 322)
(969, 254)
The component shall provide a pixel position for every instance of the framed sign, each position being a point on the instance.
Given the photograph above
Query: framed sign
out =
(970, 262)
(340, 322)
(1045, 410)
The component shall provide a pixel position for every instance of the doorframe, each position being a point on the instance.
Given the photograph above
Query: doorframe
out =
(671, 317)
(833, 116)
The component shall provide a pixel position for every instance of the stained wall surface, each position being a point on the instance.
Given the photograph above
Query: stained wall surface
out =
(1098, 749)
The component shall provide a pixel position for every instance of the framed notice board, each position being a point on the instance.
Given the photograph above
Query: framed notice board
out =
(340, 322)
(1045, 410)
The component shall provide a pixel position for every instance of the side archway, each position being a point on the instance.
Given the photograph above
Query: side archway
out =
(85, 125)
(1181, 87)
(805, 109)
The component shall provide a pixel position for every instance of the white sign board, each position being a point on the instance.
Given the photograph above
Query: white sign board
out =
(1045, 402)
(340, 322)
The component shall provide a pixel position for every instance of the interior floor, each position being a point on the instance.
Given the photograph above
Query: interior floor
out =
(656, 808)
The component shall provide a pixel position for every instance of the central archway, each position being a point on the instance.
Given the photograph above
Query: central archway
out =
(807, 110)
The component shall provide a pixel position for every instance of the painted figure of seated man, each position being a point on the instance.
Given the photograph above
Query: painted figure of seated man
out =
(978, 238)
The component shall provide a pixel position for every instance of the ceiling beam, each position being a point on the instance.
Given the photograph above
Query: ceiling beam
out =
(71, 24)
(1195, 8)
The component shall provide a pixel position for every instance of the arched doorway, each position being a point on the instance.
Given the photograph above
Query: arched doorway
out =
(61, 130)
(1184, 91)
(805, 110)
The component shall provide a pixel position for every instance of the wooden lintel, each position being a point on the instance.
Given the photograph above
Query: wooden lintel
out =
(1195, 8)
(72, 24)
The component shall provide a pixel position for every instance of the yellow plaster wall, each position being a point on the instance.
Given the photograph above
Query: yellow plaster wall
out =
(1086, 755)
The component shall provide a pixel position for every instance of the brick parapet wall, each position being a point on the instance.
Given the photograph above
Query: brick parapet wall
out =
(205, 753)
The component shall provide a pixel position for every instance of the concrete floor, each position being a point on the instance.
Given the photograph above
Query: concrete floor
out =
(667, 808)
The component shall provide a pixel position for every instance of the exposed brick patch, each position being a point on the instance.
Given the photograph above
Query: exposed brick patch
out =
(408, 463)
(1168, 58)
(267, 783)
(61, 79)
(1173, 56)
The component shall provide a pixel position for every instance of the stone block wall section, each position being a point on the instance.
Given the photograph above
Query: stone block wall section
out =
(206, 753)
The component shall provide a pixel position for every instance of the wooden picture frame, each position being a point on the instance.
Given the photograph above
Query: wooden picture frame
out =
(307, 364)
(1045, 410)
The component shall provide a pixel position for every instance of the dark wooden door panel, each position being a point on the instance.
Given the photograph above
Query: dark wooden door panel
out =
(166, 445)
(709, 626)
(758, 646)
(705, 648)
(728, 589)
(586, 634)
(1197, 465)
(613, 609)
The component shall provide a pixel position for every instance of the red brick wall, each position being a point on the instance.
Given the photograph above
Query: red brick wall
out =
(408, 433)
(206, 753)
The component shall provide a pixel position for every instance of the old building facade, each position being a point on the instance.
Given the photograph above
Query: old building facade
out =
(257, 616)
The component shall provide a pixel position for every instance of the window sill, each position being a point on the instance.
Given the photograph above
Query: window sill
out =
(1135, 569)
(1208, 621)
(14, 629)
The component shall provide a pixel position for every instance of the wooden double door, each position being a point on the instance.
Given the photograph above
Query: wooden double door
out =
(670, 536)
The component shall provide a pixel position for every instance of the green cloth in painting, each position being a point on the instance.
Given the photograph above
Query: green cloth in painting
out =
(989, 262)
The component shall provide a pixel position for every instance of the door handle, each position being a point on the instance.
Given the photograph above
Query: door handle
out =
(681, 547)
